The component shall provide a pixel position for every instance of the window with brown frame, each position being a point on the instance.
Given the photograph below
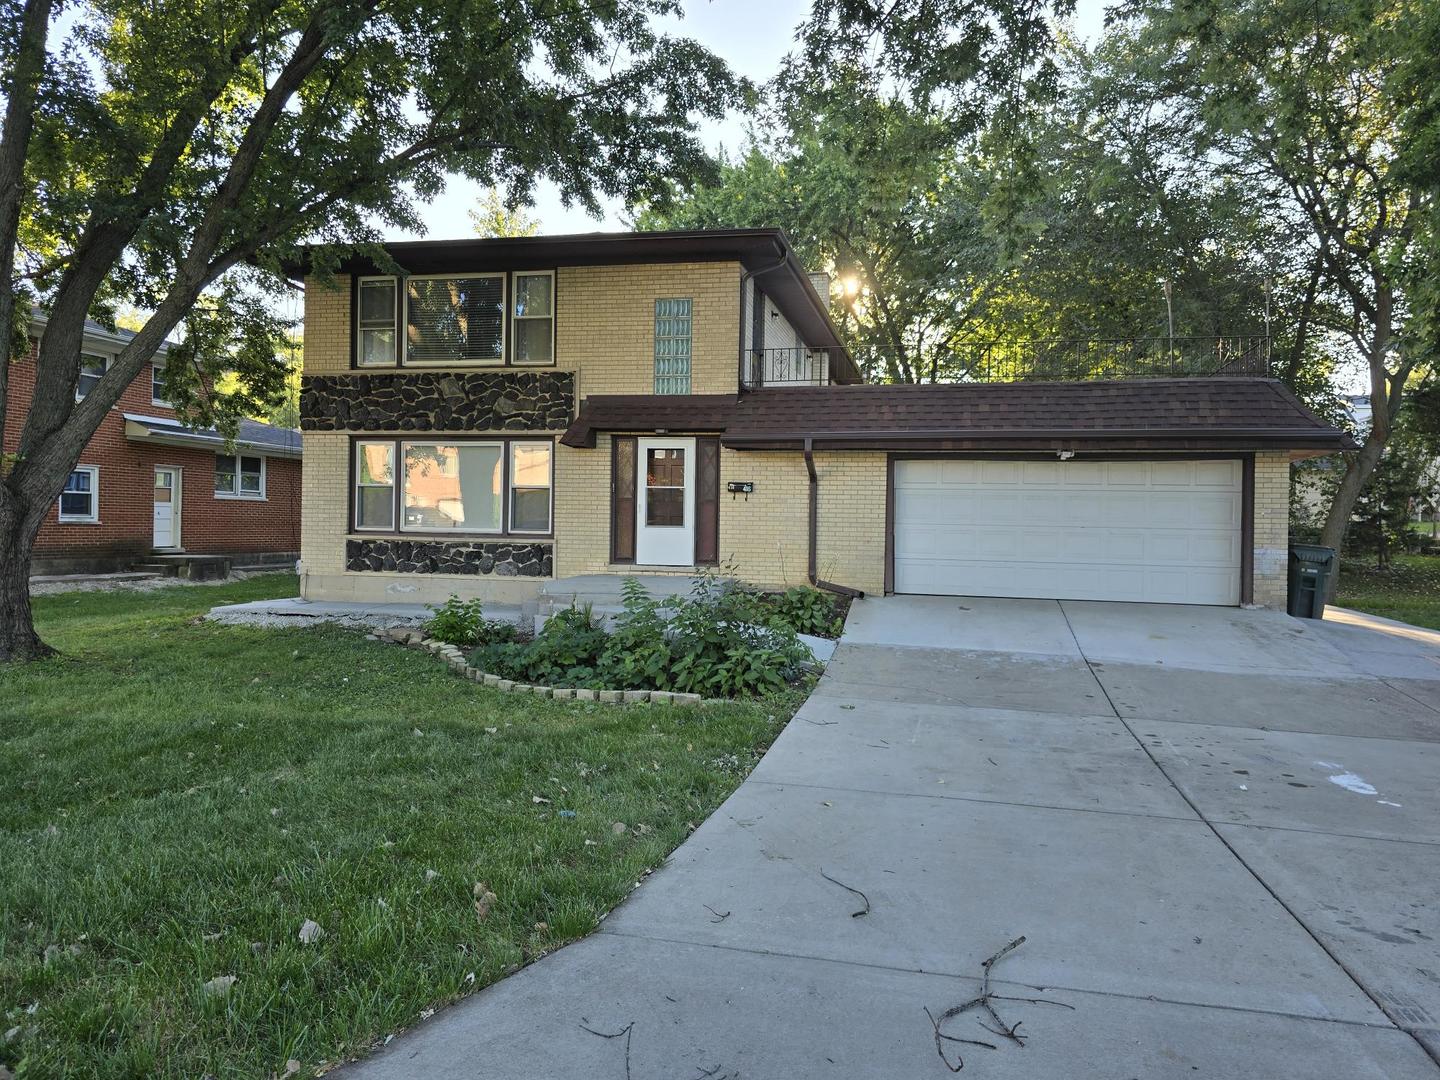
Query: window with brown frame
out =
(497, 487)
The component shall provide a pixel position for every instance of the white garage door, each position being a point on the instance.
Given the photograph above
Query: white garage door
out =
(1157, 531)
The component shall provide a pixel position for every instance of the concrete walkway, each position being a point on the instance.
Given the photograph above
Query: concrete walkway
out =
(1219, 831)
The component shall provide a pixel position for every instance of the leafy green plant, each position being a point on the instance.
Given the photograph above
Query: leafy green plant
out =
(570, 643)
(456, 621)
(463, 623)
(712, 642)
(638, 652)
(805, 611)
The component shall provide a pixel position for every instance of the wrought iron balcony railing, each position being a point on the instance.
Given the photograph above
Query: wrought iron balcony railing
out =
(1047, 359)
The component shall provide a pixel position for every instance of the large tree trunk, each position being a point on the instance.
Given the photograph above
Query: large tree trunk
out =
(1358, 469)
(18, 640)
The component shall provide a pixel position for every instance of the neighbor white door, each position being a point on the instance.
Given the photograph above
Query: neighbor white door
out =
(167, 507)
(1156, 531)
(665, 506)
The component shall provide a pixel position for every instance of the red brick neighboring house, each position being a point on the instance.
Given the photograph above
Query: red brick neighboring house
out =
(147, 483)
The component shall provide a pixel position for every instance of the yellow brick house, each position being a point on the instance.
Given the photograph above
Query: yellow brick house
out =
(489, 417)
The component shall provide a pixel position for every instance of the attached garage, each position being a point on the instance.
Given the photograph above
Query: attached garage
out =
(1159, 531)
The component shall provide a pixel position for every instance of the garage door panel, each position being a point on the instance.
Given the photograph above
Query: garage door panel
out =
(1157, 531)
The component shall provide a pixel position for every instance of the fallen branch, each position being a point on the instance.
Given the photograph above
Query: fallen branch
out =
(857, 892)
(720, 916)
(985, 1001)
(627, 1031)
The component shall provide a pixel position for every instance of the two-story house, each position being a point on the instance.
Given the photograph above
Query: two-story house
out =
(506, 412)
(149, 485)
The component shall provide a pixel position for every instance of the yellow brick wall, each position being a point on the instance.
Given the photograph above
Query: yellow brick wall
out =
(763, 537)
(604, 325)
(766, 536)
(582, 509)
(326, 349)
(1272, 528)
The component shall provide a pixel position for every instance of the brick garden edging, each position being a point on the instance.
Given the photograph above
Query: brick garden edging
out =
(455, 658)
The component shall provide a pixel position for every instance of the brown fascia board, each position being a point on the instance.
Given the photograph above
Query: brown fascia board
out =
(1059, 439)
(755, 249)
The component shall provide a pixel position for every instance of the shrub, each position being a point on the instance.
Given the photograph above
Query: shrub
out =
(638, 651)
(567, 650)
(463, 623)
(805, 611)
(713, 644)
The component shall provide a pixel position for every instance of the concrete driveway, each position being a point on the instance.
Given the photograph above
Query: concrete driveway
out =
(1218, 830)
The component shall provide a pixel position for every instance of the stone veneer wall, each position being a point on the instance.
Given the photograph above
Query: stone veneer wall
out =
(425, 401)
(448, 557)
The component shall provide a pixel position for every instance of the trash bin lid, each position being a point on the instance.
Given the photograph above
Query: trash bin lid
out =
(1312, 553)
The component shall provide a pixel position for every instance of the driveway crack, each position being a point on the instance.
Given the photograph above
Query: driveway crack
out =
(1376, 998)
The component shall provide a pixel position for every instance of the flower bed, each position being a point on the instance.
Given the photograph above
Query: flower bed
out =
(715, 643)
(456, 659)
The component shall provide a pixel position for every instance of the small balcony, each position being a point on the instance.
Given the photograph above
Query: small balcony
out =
(787, 367)
(1037, 359)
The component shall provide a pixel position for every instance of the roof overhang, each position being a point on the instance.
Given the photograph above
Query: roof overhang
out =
(691, 414)
(160, 431)
(1059, 439)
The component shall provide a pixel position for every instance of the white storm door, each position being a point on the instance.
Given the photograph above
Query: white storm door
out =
(665, 506)
(167, 507)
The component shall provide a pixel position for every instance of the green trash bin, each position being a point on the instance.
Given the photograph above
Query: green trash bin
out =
(1310, 568)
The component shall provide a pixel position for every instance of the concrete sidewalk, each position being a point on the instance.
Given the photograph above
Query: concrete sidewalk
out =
(1217, 830)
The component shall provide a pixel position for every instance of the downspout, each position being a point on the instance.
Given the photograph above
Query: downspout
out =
(813, 571)
(745, 280)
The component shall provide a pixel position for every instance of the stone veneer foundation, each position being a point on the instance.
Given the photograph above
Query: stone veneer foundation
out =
(448, 557)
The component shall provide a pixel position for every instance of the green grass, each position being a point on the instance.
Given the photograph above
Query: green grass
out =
(1408, 591)
(178, 798)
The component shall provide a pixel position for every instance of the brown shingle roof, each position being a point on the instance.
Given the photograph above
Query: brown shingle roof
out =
(707, 413)
(1139, 414)
(1194, 413)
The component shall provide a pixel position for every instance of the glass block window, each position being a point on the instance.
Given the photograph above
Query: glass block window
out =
(672, 346)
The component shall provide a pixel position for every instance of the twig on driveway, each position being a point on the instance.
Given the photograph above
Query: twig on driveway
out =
(820, 723)
(857, 892)
(720, 916)
(628, 1030)
(985, 1001)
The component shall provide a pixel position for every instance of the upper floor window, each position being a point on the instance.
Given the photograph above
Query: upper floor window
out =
(455, 320)
(239, 476)
(375, 321)
(672, 346)
(80, 501)
(92, 370)
(157, 385)
(534, 318)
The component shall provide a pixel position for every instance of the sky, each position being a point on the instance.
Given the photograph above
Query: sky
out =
(729, 28)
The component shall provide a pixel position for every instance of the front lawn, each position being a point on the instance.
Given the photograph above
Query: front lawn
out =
(1409, 590)
(179, 798)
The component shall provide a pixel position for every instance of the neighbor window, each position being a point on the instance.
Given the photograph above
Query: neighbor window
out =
(672, 346)
(239, 476)
(157, 385)
(375, 328)
(375, 485)
(80, 501)
(490, 486)
(92, 369)
(455, 320)
(534, 318)
(530, 487)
